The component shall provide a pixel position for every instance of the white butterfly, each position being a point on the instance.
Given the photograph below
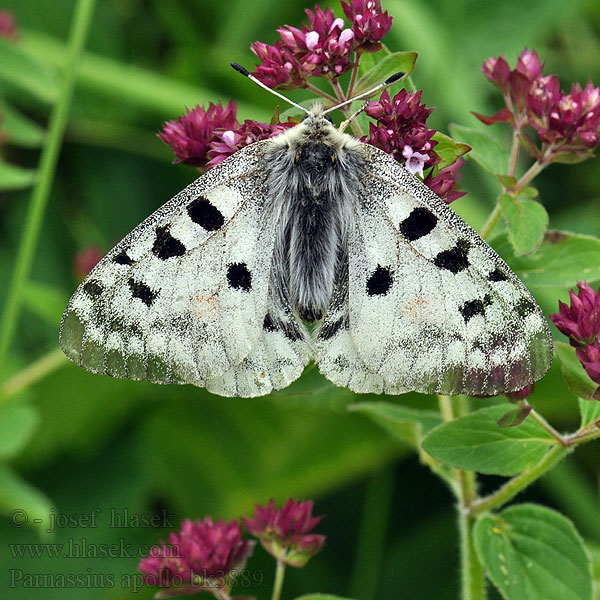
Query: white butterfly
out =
(216, 287)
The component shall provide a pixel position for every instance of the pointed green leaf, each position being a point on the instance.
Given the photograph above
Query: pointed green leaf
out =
(15, 178)
(17, 424)
(22, 503)
(530, 146)
(508, 181)
(19, 129)
(386, 67)
(476, 442)
(46, 301)
(515, 417)
(575, 375)
(527, 222)
(572, 158)
(25, 72)
(528, 192)
(486, 150)
(590, 412)
(449, 150)
(531, 552)
(407, 424)
(562, 260)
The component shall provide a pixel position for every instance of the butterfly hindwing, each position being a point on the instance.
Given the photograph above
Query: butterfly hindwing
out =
(183, 297)
(431, 307)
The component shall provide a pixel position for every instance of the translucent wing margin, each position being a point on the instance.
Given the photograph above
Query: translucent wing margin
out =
(184, 296)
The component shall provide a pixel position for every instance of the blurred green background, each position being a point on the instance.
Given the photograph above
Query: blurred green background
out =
(100, 443)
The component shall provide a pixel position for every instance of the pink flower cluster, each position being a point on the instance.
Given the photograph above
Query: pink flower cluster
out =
(567, 124)
(324, 47)
(580, 321)
(401, 131)
(206, 556)
(202, 556)
(8, 27)
(204, 137)
(285, 533)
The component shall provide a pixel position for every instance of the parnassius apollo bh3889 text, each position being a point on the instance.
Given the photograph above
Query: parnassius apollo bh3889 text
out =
(216, 287)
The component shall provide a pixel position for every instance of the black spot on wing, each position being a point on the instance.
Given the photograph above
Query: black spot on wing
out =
(239, 277)
(379, 282)
(475, 307)
(524, 307)
(165, 245)
(142, 291)
(330, 329)
(455, 259)
(205, 214)
(123, 258)
(93, 288)
(497, 275)
(419, 223)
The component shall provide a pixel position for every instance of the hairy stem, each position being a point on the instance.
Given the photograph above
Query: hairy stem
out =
(278, 584)
(47, 168)
(517, 484)
(489, 225)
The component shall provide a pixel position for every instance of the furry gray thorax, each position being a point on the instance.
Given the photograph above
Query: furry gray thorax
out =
(314, 175)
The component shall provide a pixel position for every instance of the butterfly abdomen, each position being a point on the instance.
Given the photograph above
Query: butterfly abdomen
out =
(321, 178)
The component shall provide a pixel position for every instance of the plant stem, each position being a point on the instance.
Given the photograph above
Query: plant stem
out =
(278, 584)
(370, 548)
(33, 372)
(353, 76)
(48, 160)
(541, 421)
(472, 573)
(339, 92)
(319, 92)
(520, 482)
(489, 225)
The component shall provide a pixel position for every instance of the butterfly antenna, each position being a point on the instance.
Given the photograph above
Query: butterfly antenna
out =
(366, 94)
(249, 75)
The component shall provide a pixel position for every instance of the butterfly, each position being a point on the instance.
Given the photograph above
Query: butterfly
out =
(310, 245)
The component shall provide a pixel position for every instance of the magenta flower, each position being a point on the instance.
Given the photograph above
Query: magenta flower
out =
(444, 183)
(369, 23)
(521, 394)
(279, 67)
(190, 136)
(203, 556)
(581, 320)
(589, 357)
(497, 71)
(225, 143)
(284, 533)
(8, 27)
(414, 161)
(86, 259)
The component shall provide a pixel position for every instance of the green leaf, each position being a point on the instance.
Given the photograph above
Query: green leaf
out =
(476, 442)
(590, 412)
(594, 550)
(17, 424)
(508, 181)
(23, 71)
(486, 150)
(15, 178)
(407, 424)
(531, 552)
(20, 130)
(515, 416)
(575, 375)
(22, 503)
(572, 158)
(46, 301)
(562, 260)
(530, 146)
(449, 150)
(321, 597)
(527, 222)
(384, 68)
(528, 192)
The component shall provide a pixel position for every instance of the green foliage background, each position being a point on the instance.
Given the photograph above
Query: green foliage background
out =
(101, 443)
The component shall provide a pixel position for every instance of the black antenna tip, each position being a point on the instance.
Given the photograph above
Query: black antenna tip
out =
(394, 77)
(244, 71)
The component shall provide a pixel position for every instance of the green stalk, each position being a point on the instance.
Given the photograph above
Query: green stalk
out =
(278, 584)
(472, 573)
(49, 157)
(489, 225)
(371, 537)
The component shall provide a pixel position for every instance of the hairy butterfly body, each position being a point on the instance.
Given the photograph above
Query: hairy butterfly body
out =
(217, 286)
